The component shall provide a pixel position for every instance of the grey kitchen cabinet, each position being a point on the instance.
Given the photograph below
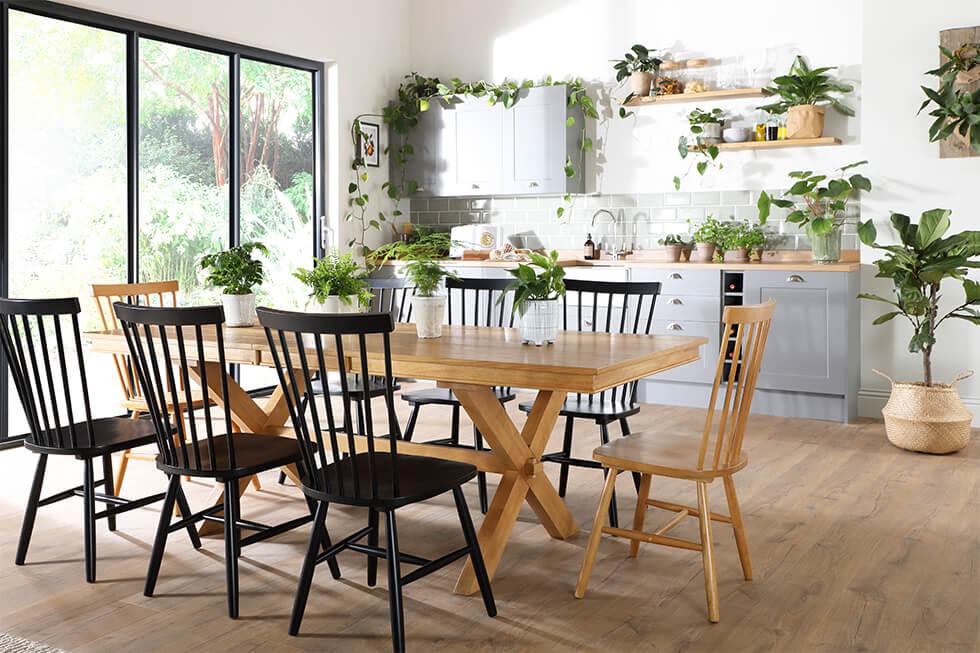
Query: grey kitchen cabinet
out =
(471, 148)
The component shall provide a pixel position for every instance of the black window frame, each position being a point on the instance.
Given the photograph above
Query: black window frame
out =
(134, 30)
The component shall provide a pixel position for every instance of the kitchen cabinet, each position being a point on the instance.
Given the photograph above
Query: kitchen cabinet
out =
(470, 148)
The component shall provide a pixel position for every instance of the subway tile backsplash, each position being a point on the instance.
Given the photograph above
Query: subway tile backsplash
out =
(644, 217)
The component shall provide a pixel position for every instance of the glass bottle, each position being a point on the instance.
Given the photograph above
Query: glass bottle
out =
(772, 128)
(589, 251)
(760, 127)
(781, 132)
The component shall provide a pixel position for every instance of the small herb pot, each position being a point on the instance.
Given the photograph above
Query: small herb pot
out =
(755, 256)
(429, 313)
(239, 310)
(640, 83)
(686, 253)
(737, 255)
(711, 133)
(674, 252)
(539, 324)
(704, 252)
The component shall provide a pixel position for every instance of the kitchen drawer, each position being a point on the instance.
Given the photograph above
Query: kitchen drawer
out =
(597, 273)
(700, 370)
(699, 308)
(680, 281)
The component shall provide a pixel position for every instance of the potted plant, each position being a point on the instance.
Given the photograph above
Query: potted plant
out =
(337, 284)
(536, 296)
(957, 111)
(237, 273)
(707, 237)
(707, 124)
(674, 246)
(802, 92)
(756, 240)
(641, 67)
(819, 204)
(926, 416)
(705, 129)
(428, 304)
(736, 240)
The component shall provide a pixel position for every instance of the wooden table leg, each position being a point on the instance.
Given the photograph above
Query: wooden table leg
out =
(521, 453)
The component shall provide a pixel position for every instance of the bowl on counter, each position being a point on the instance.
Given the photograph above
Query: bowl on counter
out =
(735, 135)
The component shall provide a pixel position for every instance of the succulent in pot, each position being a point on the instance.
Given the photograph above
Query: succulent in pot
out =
(641, 67)
(237, 273)
(708, 236)
(337, 284)
(803, 92)
(536, 295)
(674, 246)
(428, 303)
(819, 204)
(926, 416)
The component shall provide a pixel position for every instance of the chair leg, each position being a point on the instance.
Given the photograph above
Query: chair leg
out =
(30, 512)
(739, 527)
(108, 488)
(707, 555)
(593, 546)
(372, 562)
(121, 472)
(613, 510)
(326, 543)
(566, 451)
(410, 427)
(282, 478)
(256, 483)
(454, 434)
(624, 427)
(641, 511)
(359, 408)
(231, 546)
(395, 607)
(476, 555)
(309, 566)
(89, 520)
(163, 529)
(185, 511)
(481, 477)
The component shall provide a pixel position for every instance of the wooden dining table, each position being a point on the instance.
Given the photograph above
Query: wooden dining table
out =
(470, 361)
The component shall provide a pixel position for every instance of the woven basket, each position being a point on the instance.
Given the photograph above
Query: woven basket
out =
(928, 419)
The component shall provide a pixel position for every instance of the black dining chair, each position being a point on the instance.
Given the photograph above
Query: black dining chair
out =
(42, 343)
(607, 307)
(155, 337)
(366, 471)
(470, 302)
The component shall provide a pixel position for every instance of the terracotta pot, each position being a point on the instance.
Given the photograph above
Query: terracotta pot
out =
(704, 252)
(673, 252)
(804, 121)
(927, 419)
(640, 83)
(686, 254)
(738, 255)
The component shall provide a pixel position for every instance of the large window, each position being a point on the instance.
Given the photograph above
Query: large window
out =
(128, 150)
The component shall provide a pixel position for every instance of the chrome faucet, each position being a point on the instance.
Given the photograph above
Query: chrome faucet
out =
(617, 251)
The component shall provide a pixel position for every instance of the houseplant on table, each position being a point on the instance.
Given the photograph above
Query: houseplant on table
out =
(802, 92)
(926, 416)
(674, 246)
(756, 241)
(641, 67)
(337, 284)
(708, 236)
(737, 240)
(819, 204)
(237, 273)
(428, 303)
(536, 295)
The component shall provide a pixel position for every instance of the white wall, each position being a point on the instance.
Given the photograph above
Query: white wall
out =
(881, 45)
(365, 45)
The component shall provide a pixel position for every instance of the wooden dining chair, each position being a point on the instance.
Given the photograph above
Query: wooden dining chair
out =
(470, 302)
(164, 344)
(716, 453)
(42, 343)
(366, 470)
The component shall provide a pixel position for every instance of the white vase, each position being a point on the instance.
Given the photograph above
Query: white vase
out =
(711, 133)
(239, 310)
(334, 304)
(429, 313)
(539, 324)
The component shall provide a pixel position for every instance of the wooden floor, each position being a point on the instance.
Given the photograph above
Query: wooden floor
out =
(856, 545)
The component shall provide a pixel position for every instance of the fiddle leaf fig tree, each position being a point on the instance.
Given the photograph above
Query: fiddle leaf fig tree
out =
(917, 266)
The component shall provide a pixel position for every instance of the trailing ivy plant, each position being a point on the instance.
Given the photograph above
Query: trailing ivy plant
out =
(817, 207)
(917, 266)
(706, 154)
(957, 110)
(358, 198)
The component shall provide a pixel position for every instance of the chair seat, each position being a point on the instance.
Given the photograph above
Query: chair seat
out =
(419, 478)
(111, 434)
(139, 403)
(355, 385)
(664, 454)
(445, 396)
(582, 407)
(253, 454)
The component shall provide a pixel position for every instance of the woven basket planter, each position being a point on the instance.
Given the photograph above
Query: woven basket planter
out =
(927, 419)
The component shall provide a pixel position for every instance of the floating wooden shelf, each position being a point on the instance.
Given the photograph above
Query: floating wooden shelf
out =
(775, 145)
(722, 94)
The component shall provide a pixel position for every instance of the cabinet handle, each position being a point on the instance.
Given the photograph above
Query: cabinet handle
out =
(532, 184)
(476, 186)
(795, 278)
(675, 275)
(676, 301)
(674, 326)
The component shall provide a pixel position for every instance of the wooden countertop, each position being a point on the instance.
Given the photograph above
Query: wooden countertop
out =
(844, 265)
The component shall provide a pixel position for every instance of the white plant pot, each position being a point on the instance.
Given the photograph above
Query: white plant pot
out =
(711, 133)
(640, 83)
(429, 313)
(539, 324)
(334, 304)
(239, 310)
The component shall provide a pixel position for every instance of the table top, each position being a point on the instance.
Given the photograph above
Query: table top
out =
(577, 361)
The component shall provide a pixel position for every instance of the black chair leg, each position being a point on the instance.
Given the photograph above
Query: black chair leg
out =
(372, 562)
(359, 407)
(108, 488)
(185, 511)
(481, 477)
(231, 545)
(625, 428)
(613, 512)
(566, 451)
(282, 478)
(412, 419)
(395, 606)
(30, 512)
(163, 529)
(309, 566)
(454, 434)
(476, 555)
(325, 544)
(89, 503)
